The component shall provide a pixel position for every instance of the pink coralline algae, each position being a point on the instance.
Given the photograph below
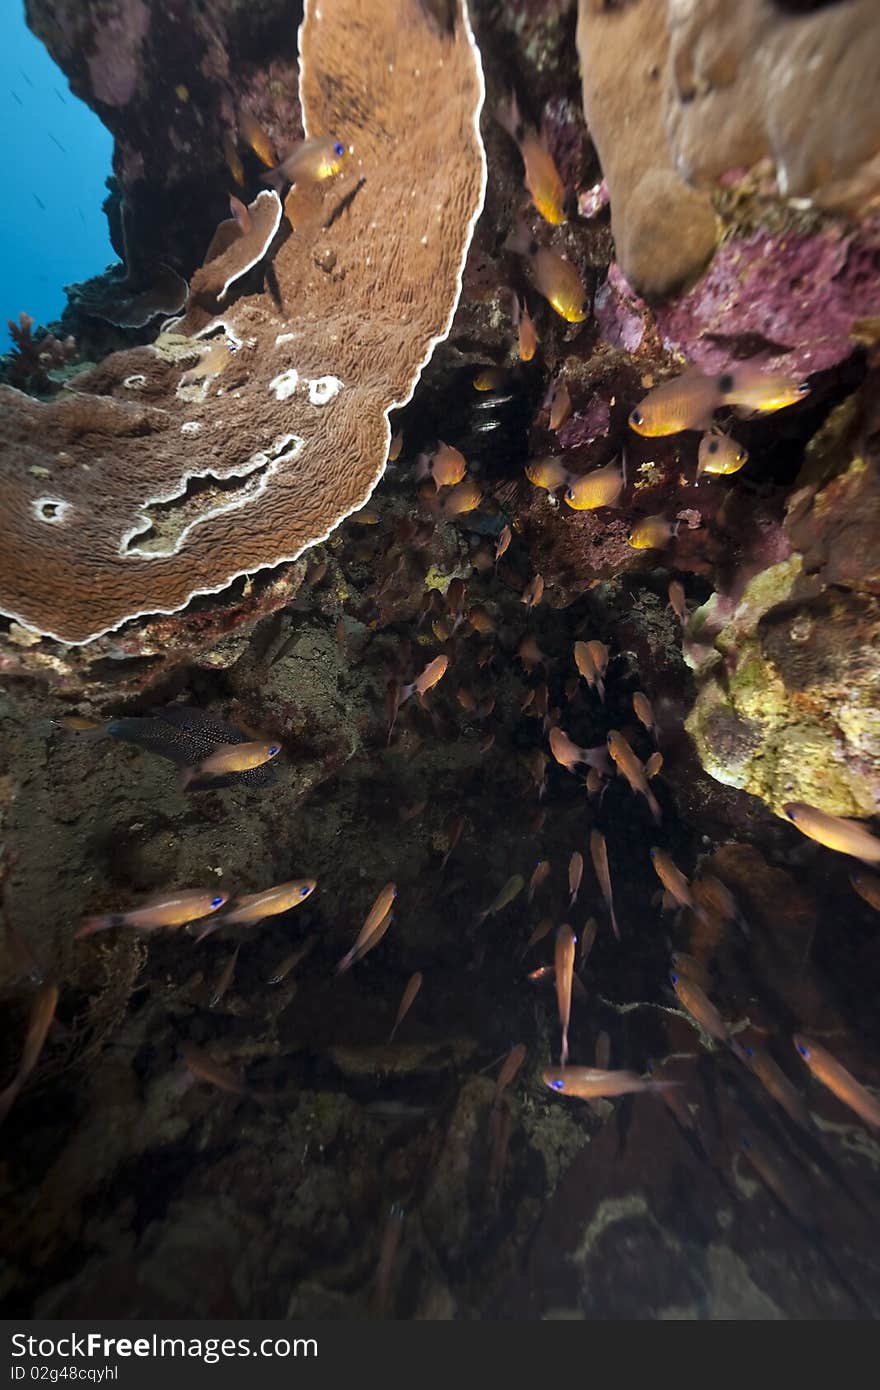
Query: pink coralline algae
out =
(114, 66)
(796, 296)
(586, 425)
(620, 312)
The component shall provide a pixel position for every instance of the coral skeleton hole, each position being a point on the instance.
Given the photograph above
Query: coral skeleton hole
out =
(51, 509)
(166, 521)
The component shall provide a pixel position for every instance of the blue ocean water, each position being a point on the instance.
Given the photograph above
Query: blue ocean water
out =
(56, 158)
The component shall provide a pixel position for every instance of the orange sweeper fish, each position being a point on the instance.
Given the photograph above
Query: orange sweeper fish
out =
(512, 888)
(643, 712)
(232, 757)
(677, 601)
(591, 1083)
(867, 886)
(754, 391)
(575, 874)
(601, 488)
(165, 910)
(413, 985)
(255, 136)
(835, 832)
(585, 662)
(42, 1013)
(465, 497)
(685, 403)
(599, 856)
(560, 405)
(512, 1063)
(564, 958)
(569, 754)
(432, 674)
(720, 455)
(555, 278)
(542, 869)
(652, 533)
(375, 926)
(251, 908)
(547, 472)
(525, 328)
(447, 466)
(312, 161)
(838, 1080)
(629, 766)
(700, 1007)
(672, 878)
(777, 1085)
(541, 175)
(206, 1069)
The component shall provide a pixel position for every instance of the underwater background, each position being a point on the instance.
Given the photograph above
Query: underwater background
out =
(55, 163)
(439, 727)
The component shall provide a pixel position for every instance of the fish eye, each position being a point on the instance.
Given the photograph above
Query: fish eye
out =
(218, 901)
(746, 1142)
(804, 1051)
(750, 1052)
(569, 494)
(725, 381)
(558, 1085)
(673, 978)
(339, 149)
(275, 748)
(636, 417)
(304, 892)
(713, 446)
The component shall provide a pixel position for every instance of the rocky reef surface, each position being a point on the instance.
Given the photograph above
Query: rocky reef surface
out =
(133, 1189)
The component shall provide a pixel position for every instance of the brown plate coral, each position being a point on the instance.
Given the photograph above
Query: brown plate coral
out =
(158, 477)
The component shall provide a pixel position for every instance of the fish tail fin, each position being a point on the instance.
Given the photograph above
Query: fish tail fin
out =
(275, 179)
(662, 1085)
(391, 1036)
(185, 776)
(405, 692)
(8, 1097)
(521, 241)
(422, 467)
(563, 1054)
(738, 1052)
(615, 928)
(206, 931)
(508, 117)
(91, 925)
(654, 805)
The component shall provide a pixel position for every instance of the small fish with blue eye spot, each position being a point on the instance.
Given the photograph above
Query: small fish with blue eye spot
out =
(592, 1083)
(839, 1081)
(777, 1085)
(250, 908)
(174, 909)
(232, 757)
(312, 161)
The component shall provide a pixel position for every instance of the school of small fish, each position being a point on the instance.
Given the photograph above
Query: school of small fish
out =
(593, 674)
